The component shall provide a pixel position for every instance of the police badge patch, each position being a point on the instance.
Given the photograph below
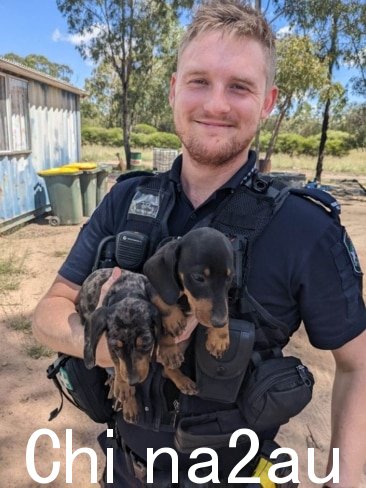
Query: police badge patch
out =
(352, 252)
(145, 204)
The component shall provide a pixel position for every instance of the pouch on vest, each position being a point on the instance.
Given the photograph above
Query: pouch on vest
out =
(277, 389)
(84, 388)
(220, 379)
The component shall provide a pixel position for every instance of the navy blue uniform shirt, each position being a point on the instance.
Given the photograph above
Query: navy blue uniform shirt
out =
(301, 269)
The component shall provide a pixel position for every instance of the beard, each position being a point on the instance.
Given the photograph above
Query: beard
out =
(219, 155)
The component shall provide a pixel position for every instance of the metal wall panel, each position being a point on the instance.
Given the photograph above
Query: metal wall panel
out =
(55, 140)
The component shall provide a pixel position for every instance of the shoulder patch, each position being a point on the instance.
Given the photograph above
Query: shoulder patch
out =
(351, 251)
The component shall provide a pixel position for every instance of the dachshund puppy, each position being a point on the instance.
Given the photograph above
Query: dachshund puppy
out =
(192, 275)
(130, 321)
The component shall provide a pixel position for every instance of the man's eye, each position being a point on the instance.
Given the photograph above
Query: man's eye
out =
(239, 87)
(198, 81)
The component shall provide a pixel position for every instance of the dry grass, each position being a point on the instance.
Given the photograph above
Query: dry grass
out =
(354, 163)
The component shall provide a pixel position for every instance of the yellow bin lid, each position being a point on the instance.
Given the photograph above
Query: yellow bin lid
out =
(81, 166)
(59, 171)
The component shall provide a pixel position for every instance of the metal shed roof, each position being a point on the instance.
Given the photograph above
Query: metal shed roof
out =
(12, 67)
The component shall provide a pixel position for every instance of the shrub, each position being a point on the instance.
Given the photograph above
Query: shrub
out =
(139, 140)
(144, 129)
(164, 140)
(102, 136)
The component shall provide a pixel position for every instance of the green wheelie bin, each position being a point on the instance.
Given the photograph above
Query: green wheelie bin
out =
(102, 181)
(63, 188)
(88, 185)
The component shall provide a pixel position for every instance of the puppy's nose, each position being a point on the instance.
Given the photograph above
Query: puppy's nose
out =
(133, 380)
(218, 324)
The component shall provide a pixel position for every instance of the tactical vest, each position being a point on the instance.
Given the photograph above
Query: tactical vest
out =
(284, 384)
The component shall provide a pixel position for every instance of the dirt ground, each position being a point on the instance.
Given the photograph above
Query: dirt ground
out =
(27, 397)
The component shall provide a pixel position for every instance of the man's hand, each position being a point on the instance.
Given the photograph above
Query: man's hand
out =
(116, 274)
(192, 323)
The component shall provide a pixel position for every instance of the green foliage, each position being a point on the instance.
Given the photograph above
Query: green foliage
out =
(164, 140)
(338, 143)
(144, 129)
(130, 37)
(102, 136)
(113, 137)
(43, 64)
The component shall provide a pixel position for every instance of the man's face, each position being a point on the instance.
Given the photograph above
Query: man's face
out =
(218, 96)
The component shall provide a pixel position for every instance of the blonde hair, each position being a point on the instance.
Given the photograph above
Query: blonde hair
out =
(233, 17)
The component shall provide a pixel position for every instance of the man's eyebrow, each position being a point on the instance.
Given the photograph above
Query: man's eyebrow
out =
(235, 79)
(244, 81)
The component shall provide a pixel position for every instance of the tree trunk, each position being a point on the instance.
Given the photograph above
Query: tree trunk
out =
(323, 140)
(332, 54)
(276, 129)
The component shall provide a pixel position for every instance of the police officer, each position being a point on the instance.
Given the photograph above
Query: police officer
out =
(303, 266)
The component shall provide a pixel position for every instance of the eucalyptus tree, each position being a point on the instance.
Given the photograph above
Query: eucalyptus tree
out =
(127, 34)
(41, 63)
(337, 27)
(300, 73)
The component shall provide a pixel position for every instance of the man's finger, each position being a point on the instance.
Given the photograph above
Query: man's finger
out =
(116, 274)
(191, 325)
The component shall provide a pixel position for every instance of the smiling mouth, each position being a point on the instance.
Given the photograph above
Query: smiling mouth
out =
(208, 123)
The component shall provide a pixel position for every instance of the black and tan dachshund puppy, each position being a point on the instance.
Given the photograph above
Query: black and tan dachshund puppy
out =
(196, 270)
(130, 321)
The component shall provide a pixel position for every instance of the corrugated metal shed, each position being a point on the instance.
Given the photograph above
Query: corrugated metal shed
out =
(54, 139)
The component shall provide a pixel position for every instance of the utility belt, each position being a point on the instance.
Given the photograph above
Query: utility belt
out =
(257, 467)
(258, 390)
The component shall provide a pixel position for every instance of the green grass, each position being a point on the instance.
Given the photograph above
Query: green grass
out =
(20, 322)
(354, 163)
(11, 271)
(36, 351)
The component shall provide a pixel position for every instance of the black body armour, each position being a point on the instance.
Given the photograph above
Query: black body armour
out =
(253, 385)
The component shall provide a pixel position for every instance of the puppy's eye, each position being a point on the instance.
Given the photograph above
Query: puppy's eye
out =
(200, 278)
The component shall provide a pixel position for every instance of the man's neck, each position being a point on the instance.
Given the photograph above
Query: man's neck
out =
(200, 181)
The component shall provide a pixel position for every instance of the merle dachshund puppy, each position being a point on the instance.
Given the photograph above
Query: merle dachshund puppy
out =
(130, 321)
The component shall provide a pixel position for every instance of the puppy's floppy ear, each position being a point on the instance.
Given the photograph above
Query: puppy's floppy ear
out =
(94, 328)
(161, 271)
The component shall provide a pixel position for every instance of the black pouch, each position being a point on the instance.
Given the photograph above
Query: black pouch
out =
(277, 389)
(220, 379)
(84, 388)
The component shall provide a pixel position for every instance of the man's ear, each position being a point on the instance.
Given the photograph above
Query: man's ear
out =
(173, 81)
(94, 328)
(269, 102)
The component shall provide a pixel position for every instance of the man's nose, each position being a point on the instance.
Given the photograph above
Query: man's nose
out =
(216, 101)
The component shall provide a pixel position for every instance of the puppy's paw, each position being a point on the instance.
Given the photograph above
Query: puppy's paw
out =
(175, 323)
(171, 357)
(130, 411)
(217, 343)
(188, 387)
(122, 391)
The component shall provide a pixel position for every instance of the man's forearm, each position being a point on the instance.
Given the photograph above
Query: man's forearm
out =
(349, 426)
(57, 325)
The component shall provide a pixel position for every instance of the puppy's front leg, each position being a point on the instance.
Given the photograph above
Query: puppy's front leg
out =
(170, 353)
(174, 320)
(181, 381)
(218, 340)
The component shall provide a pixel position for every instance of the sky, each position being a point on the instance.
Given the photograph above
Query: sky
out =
(37, 27)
